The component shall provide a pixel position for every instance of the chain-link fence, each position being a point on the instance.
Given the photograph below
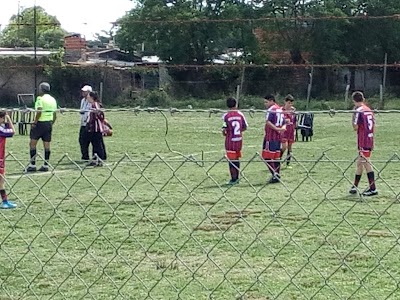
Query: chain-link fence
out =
(169, 228)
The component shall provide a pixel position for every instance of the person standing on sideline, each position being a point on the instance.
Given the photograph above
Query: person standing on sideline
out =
(6, 130)
(234, 125)
(364, 124)
(274, 127)
(288, 135)
(84, 111)
(42, 127)
(94, 127)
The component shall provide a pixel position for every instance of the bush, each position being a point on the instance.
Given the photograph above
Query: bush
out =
(156, 98)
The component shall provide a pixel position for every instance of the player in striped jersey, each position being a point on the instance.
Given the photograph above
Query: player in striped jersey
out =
(288, 137)
(274, 127)
(364, 124)
(234, 125)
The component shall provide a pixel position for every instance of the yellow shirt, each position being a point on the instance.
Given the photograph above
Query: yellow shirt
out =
(48, 105)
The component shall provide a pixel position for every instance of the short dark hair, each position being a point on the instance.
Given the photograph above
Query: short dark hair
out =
(270, 97)
(231, 102)
(95, 96)
(358, 96)
(289, 97)
(2, 113)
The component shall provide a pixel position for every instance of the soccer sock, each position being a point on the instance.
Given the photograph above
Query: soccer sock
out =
(46, 156)
(271, 168)
(288, 157)
(277, 167)
(371, 180)
(237, 169)
(232, 169)
(357, 180)
(3, 195)
(33, 156)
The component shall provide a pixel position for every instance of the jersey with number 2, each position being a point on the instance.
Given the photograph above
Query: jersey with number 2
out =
(234, 124)
(365, 120)
(274, 115)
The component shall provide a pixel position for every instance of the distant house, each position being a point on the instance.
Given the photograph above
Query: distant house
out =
(13, 52)
(117, 54)
(74, 48)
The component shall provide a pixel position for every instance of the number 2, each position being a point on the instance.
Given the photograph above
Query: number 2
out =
(236, 127)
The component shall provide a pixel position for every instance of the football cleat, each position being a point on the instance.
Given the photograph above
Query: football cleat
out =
(30, 168)
(370, 192)
(353, 190)
(44, 168)
(8, 205)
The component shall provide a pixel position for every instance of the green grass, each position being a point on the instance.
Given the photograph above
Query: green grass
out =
(158, 226)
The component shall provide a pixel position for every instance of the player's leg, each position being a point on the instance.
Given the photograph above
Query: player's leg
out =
(289, 152)
(5, 203)
(268, 157)
(277, 157)
(97, 148)
(357, 177)
(234, 165)
(46, 138)
(84, 145)
(32, 154)
(371, 191)
(284, 147)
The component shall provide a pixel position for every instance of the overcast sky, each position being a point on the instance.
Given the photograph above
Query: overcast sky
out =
(84, 16)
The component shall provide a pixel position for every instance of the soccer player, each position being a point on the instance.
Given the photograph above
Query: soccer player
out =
(288, 136)
(84, 111)
(234, 125)
(274, 127)
(364, 124)
(6, 130)
(42, 127)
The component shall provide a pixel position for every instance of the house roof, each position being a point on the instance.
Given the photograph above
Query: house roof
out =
(10, 52)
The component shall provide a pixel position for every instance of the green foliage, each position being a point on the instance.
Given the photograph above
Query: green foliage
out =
(20, 30)
(157, 98)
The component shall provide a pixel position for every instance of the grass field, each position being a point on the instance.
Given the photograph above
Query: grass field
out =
(149, 226)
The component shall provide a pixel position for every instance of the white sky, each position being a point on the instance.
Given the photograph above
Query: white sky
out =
(83, 16)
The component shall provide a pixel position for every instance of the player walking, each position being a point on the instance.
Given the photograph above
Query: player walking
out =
(288, 135)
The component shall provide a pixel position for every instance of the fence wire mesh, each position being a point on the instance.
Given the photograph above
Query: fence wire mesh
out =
(163, 228)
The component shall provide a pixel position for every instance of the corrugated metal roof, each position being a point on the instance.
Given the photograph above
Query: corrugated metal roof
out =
(26, 53)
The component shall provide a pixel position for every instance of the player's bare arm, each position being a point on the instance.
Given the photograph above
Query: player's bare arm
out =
(38, 114)
(10, 123)
(54, 117)
(273, 127)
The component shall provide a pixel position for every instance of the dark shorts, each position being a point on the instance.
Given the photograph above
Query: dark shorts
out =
(271, 149)
(42, 130)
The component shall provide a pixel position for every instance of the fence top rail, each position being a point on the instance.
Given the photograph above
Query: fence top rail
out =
(172, 110)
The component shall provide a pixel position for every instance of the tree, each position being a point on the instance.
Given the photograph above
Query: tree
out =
(20, 30)
(177, 41)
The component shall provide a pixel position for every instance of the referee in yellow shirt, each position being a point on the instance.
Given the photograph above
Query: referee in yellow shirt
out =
(42, 127)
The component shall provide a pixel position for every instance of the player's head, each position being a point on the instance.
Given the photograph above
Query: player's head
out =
(358, 97)
(231, 102)
(86, 90)
(44, 88)
(289, 100)
(2, 116)
(269, 100)
(93, 97)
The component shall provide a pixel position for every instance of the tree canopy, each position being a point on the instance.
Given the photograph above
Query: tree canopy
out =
(185, 32)
(20, 30)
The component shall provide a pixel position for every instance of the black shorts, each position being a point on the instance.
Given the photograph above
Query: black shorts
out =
(42, 130)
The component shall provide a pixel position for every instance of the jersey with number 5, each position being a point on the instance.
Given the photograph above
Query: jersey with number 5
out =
(276, 116)
(234, 125)
(365, 120)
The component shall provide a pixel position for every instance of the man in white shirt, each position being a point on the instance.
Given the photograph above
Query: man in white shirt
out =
(84, 111)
